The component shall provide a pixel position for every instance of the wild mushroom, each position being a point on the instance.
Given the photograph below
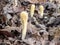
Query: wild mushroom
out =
(41, 10)
(32, 10)
(32, 13)
(24, 19)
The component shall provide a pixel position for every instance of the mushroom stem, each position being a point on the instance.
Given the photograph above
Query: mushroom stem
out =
(32, 10)
(24, 19)
(41, 12)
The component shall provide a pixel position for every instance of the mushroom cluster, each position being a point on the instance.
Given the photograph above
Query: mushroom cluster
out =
(29, 22)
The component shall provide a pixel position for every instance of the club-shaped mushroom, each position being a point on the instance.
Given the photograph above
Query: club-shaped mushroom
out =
(41, 10)
(32, 10)
(24, 19)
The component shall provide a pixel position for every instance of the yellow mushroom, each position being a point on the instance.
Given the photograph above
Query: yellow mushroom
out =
(32, 10)
(24, 19)
(41, 10)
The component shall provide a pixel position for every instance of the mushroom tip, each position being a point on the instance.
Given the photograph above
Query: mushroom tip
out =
(33, 5)
(24, 14)
(41, 7)
(32, 10)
